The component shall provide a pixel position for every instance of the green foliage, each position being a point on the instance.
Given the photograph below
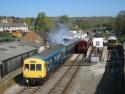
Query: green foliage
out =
(6, 36)
(120, 22)
(120, 25)
(63, 19)
(83, 23)
(29, 21)
(43, 22)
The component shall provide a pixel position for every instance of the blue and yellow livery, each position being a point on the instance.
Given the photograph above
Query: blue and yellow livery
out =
(37, 67)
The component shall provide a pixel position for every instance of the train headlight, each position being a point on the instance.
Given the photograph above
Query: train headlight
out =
(27, 81)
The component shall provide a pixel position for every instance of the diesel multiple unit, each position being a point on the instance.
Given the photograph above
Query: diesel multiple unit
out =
(39, 66)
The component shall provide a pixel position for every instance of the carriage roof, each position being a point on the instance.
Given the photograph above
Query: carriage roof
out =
(49, 52)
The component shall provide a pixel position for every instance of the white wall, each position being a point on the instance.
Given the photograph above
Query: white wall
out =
(98, 42)
(1, 28)
(24, 29)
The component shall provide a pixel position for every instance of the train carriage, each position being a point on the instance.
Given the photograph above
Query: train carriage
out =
(70, 48)
(37, 67)
(83, 45)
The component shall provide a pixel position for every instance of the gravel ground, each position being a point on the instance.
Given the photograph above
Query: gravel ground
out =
(87, 79)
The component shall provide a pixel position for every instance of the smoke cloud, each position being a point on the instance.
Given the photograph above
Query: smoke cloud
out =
(62, 35)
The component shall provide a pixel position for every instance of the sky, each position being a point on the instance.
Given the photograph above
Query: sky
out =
(71, 8)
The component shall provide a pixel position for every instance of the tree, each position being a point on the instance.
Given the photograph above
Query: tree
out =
(49, 24)
(82, 24)
(120, 25)
(39, 23)
(64, 19)
(43, 22)
(120, 22)
(29, 21)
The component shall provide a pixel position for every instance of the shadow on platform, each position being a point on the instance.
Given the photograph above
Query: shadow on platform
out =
(112, 81)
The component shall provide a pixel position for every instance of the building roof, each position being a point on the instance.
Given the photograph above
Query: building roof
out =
(9, 50)
(13, 24)
(37, 45)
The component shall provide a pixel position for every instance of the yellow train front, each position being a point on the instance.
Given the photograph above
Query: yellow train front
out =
(37, 67)
(34, 70)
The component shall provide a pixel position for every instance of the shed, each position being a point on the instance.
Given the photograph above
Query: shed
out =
(12, 55)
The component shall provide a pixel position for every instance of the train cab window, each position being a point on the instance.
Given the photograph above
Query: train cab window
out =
(38, 67)
(32, 67)
(26, 67)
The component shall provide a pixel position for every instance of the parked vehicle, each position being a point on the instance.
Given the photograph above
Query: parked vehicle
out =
(111, 43)
(83, 45)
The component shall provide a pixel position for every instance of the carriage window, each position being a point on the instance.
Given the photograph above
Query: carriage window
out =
(50, 61)
(38, 67)
(57, 57)
(32, 67)
(26, 67)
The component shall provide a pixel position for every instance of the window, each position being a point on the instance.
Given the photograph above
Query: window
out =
(55, 58)
(97, 43)
(26, 67)
(32, 67)
(47, 65)
(38, 67)
(59, 55)
(50, 61)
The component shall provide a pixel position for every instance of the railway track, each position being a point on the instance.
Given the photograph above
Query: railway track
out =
(36, 89)
(63, 83)
(30, 90)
